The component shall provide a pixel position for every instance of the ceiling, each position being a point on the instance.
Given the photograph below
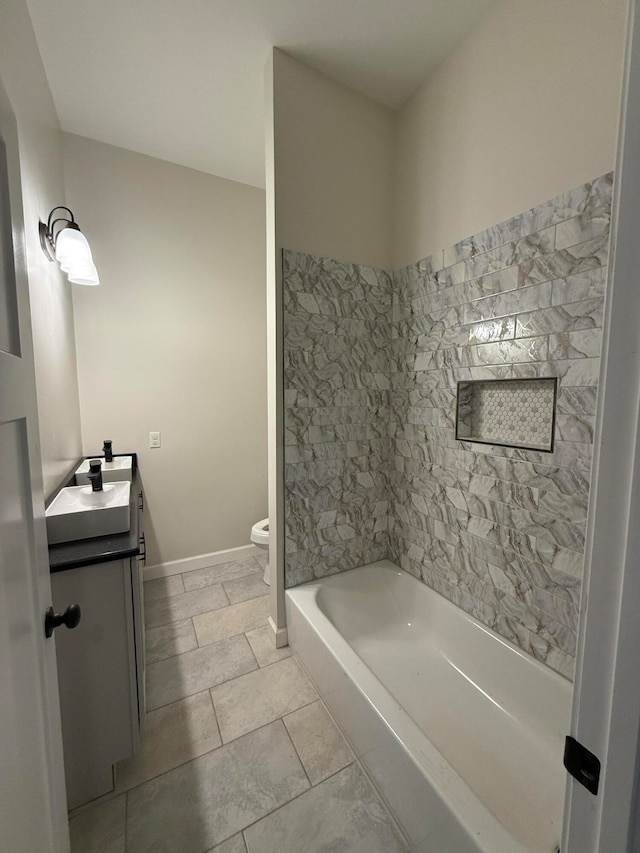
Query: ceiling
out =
(182, 80)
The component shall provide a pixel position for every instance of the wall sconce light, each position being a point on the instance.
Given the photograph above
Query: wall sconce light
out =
(63, 241)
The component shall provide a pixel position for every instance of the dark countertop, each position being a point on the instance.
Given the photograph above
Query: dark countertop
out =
(100, 549)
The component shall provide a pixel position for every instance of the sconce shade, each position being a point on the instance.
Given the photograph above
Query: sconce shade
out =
(62, 240)
(86, 274)
(72, 248)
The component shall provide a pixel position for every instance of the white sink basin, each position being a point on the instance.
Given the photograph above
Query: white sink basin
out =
(79, 513)
(119, 469)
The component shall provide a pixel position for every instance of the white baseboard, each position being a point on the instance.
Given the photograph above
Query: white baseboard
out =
(281, 634)
(189, 564)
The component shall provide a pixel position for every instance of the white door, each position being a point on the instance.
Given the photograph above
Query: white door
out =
(606, 710)
(32, 798)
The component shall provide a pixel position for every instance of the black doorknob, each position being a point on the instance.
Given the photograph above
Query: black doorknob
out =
(70, 618)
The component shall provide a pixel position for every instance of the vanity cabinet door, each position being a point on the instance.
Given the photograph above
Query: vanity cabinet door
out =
(96, 671)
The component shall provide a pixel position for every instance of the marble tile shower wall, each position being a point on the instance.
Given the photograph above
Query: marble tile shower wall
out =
(336, 352)
(373, 469)
(501, 531)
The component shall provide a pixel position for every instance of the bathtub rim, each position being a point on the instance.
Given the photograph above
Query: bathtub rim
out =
(481, 827)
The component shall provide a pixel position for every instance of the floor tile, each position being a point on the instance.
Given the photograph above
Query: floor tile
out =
(217, 574)
(318, 742)
(262, 558)
(212, 798)
(195, 671)
(250, 586)
(165, 641)
(233, 845)
(228, 621)
(183, 605)
(99, 829)
(173, 734)
(342, 814)
(263, 644)
(163, 587)
(246, 703)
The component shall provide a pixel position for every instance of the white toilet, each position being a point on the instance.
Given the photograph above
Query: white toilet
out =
(260, 537)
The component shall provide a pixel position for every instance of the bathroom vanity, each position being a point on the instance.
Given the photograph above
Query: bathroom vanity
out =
(101, 661)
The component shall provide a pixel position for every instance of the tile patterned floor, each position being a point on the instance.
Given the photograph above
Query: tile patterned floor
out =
(239, 754)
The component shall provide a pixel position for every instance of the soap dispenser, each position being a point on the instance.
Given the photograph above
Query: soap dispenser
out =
(107, 450)
(95, 475)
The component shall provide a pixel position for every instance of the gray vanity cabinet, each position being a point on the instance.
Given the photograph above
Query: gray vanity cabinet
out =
(100, 672)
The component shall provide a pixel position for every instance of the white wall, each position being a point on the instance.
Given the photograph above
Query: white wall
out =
(174, 339)
(275, 365)
(333, 166)
(525, 108)
(329, 164)
(42, 189)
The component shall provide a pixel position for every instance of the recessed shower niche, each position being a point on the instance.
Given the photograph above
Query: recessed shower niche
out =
(508, 412)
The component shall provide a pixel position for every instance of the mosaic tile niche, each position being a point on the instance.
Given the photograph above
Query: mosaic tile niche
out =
(510, 412)
(373, 468)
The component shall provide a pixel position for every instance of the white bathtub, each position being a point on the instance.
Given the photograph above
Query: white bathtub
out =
(462, 733)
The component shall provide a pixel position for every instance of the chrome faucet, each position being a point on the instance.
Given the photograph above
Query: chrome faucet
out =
(107, 450)
(95, 475)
